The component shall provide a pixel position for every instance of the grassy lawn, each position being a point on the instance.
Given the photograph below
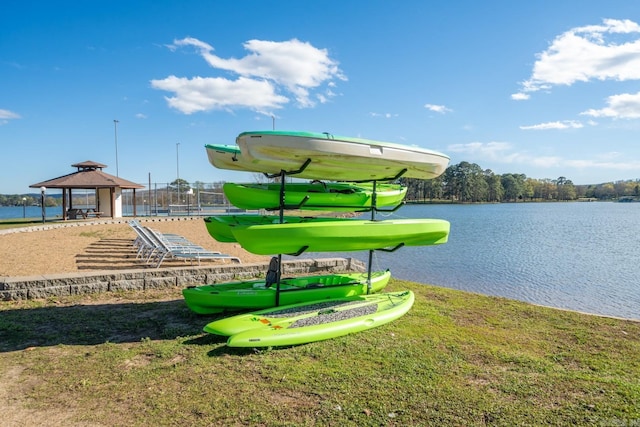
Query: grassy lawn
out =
(455, 359)
(23, 222)
(17, 223)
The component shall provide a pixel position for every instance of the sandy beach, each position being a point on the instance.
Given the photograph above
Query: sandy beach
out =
(98, 247)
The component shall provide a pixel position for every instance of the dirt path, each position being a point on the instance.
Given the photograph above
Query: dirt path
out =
(97, 247)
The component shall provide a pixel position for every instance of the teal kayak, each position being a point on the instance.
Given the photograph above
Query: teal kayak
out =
(314, 321)
(227, 157)
(314, 195)
(220, 226)
(343, 235)
(256, 294)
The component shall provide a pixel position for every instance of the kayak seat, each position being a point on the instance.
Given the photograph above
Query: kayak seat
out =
(272, 273)
(314, 285)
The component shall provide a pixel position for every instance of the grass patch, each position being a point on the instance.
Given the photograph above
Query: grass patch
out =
(455, 359)
(18, 223)
(25, 222)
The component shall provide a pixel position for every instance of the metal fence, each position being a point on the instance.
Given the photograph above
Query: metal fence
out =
(161, 199)
(167, 199)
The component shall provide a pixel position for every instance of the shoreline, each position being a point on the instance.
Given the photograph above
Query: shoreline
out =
(26, 255)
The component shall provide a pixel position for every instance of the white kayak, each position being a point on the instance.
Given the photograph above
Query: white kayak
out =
(325, 156)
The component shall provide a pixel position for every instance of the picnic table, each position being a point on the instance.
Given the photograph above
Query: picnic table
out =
(93, 213)
(76, 213)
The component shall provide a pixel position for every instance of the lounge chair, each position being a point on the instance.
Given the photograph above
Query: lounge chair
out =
(153, 245)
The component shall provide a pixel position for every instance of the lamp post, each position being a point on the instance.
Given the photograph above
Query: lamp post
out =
(178, 169)
(24, 207)
(42, 191)
(189, 194)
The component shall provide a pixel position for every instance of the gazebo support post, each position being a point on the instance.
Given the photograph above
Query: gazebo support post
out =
(64, 204)
(135, 211)
(112, 192)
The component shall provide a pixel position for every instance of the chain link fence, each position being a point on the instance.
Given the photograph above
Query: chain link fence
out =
(177, 199)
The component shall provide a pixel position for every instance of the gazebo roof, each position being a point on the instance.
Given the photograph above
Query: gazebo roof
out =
(89, 175)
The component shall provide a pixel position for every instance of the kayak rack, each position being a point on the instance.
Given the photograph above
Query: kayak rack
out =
(283, 205)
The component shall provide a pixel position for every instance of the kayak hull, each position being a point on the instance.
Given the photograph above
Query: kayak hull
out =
(227, 157)
(254, 294)
(220, 226)
(314, 196)
(338, 158)
(345, 235)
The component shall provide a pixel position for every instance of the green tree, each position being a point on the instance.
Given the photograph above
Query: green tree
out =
(513, 185)
(565, 189)
(494, 186)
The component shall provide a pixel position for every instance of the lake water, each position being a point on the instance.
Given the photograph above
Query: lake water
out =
(579, 256)
(16, 212)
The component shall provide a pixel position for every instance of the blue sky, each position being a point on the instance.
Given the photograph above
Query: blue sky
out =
(544, 88)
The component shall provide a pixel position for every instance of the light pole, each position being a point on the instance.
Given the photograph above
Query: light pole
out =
(189, 194)
(115, 130)
(24, 207)
(42, 191)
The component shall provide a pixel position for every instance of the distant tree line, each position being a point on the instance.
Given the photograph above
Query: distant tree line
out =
(468, 183)
(26, 200)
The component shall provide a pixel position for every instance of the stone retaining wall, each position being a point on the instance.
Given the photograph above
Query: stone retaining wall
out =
(58, 285)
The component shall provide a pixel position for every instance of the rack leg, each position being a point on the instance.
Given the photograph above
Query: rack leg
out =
(369, 272)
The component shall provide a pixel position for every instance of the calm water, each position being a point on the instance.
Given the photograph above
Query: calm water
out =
(10, 212)
(580, 256)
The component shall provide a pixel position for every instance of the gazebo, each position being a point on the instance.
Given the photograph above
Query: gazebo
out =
(89, 176)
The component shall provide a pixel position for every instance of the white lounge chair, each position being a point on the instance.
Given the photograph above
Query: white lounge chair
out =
(158, 247)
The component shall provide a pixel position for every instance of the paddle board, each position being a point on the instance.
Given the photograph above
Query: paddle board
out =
(315, 321)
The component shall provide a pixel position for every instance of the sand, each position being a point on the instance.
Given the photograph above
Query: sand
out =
(99, 247)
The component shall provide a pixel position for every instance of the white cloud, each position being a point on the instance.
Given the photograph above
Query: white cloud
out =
(490, 150)
(385, 115)
(296, 67)
(520, 96)
(141, 116)
(6, 114)
(502, 152)
(610, 51)
(597, 164)
(209, 93)
(437, 108)
(623, 106)
(542, 161)
(565, 124)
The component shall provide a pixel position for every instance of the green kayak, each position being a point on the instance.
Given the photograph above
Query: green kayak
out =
(343, 235)
(220, 226)
(314, 195)
(255, 294)
(314, 321)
